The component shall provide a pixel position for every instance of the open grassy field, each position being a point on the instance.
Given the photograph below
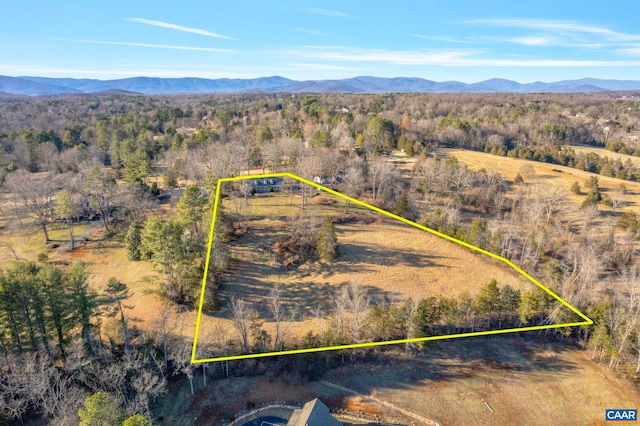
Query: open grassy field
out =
(398, 260)
(602, 152)
(551, 174)
(26, 240)
(525, 382)
(392, 260)
(106, 258)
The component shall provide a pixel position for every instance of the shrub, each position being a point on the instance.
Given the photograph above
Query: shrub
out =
(518, 179)
(290, 251)
(575, 188)
(323, 201)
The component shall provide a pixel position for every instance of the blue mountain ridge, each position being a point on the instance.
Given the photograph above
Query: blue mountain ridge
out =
(361, 84)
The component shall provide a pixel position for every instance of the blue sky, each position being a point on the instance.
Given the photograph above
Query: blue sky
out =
(439, 40)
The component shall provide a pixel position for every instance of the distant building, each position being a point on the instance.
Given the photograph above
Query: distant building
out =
(323, 180)
(314, 413)
(263, 186)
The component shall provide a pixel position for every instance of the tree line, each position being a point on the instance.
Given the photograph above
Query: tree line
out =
(53, 352)
(356, 317)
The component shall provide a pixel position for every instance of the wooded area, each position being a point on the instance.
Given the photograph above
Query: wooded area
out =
(117, 162)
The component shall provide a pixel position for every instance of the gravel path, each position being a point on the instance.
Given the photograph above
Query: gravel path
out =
(85, 235)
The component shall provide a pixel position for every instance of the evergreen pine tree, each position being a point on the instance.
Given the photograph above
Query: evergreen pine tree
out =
(327, 242)
(133, 240)
(100, 409)
(136, 420)
(191, 207)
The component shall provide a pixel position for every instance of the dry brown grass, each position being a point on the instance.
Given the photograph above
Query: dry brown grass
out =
(394, 257)
(107, 258)
(26, 240)
(551, 174)
(392, 260)
(602, 152)
(524, 382)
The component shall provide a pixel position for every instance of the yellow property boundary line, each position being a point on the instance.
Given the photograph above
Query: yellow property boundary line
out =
(587, 320)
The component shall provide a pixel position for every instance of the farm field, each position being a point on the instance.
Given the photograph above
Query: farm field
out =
(551, 174)
(602, 152)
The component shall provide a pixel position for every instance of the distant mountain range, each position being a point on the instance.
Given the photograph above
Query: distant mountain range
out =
(162, 86)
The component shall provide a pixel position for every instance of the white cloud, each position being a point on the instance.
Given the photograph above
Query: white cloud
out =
(398, 57)
(325, 12)
(557, 27)
(552, 63)
(178, 28)
(454, 58)
(551, 41)
(534, 40)
(630, 51)
(152, 45)
(547, 41)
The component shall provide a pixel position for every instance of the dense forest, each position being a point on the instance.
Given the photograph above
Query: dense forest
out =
(113, 157)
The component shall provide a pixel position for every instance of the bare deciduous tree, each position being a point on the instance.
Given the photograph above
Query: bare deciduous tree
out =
(148, 386)
(352, 303)
(282, 315)
(625, 312)
(380, 172)
(36, 191)
(101, 188)
(241, 313)
(353, 180)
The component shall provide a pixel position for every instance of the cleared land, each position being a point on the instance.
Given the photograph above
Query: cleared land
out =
(395, 259)
(551, 174)
(602, 152)
(107, 258)
(392, 260)
(524, 381)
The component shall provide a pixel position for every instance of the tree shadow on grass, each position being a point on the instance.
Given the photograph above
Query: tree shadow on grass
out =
(307, 298)
(256, 281)
(361, 254)
(478, 360)
(306, 290)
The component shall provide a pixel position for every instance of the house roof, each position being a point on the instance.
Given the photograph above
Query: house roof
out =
(314, 413)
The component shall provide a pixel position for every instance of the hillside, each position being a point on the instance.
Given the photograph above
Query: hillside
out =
(20, 86)
(361, 84)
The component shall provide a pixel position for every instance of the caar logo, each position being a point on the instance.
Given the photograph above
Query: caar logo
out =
(621, 416)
